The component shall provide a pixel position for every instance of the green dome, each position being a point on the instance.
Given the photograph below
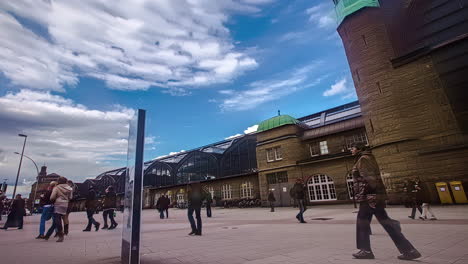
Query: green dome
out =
(276, 121)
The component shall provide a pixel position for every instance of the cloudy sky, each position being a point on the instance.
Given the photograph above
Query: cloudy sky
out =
(72, 74)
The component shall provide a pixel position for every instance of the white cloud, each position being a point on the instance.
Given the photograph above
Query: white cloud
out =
(342, 88)
(234, 136)
(131, 45)
(322, 15)
(69, 138)
(263, 91)
(251, 129)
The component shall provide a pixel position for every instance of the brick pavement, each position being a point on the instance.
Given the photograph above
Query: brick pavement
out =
(253, 236)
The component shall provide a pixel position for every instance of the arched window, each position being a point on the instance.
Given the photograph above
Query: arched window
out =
(239, 158)
(321, 188)
(198, 166)
(158, 174)
(246, 190)
(226, 191)
(350, 183)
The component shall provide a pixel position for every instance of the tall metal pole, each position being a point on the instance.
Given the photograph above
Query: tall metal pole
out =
(19, 167)
(37, 181)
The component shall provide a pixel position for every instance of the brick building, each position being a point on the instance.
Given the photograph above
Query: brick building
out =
(42, 183)
(409, 62)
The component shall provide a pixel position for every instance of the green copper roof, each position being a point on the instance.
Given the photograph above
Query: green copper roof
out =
(276, 122)
(345, 8)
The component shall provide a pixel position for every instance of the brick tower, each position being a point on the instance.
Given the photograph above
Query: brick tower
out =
(409, 62)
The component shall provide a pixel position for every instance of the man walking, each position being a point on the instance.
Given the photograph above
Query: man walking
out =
(271, 200)
(108, 208)
(47, 209)
(414, 194)
(195, 200)
(160, 206)
(91, 206)
(370, 193)
(16, 215)
(166, 204)
(209, 201)
(299, 195)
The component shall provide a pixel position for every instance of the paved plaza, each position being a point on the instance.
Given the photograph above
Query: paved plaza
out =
(254, 236)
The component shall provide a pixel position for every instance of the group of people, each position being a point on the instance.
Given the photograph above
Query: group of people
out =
(109, 206)
(420, 200)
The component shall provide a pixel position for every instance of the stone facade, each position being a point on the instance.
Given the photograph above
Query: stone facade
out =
(410, 121)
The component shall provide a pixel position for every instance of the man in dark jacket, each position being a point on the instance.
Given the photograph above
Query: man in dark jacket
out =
(271, 200)
(209, 201)
(109, 204)
(166, 203)
(414, 195)
(195, 200)
(370, 193)
(91, 206)
(299, 194)
(15, 217)
(160, 206)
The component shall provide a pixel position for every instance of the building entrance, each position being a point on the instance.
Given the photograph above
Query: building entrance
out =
(278, 183)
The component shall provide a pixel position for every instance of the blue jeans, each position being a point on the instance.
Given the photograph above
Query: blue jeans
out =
(302, 209)
(198, 227)
(45, 216)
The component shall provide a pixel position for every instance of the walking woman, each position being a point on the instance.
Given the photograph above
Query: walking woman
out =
(47, 209)
(108, 206)
(370, 193)
(15, 217)
(66, 222)
(61, 197)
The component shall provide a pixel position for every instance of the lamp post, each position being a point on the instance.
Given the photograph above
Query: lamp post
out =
(37, 181)
(19, 167)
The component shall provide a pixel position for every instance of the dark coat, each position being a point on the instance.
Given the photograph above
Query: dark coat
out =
(195, 199)
(91, 202)
(299, 191)
(45, 200)
(271, 197)
(110, 201)
(368, 185)
(422, 194)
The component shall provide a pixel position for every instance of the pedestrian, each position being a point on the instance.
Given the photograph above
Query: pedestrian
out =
(60, 196)
(166, 203)
(17, 213)
(160, 206)
(195, 201)
(271, 200)
(2, 199)
(47, 209)
(209, 201)
(415, 204)
(91, 207)
(109, 204)
(424, 199)
(66, 221)
(299, 194)
(370, 193)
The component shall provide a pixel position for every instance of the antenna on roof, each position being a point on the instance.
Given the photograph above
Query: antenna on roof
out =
(279, 113)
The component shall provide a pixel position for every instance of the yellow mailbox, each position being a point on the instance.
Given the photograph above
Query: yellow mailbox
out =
(444, 193)
(458, 192)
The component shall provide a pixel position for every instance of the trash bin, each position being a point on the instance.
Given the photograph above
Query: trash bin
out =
(458, 192)
(444, 193)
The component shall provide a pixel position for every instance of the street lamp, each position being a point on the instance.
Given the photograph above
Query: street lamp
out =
(37, 181)
(19, 167)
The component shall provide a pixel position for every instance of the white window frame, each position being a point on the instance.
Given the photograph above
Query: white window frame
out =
(356, 137)
(246, 190)
(323, 147)
(226, 191)
(274, 154)
(314, 149)
(211, 191)
(321, 188)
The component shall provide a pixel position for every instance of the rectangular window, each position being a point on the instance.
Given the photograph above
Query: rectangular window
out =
(314, 149)
(354, 138)
(278, 177)
(274, 154)
(323, 147)
(227, 192)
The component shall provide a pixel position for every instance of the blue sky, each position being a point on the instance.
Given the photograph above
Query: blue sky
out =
(71, 75)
